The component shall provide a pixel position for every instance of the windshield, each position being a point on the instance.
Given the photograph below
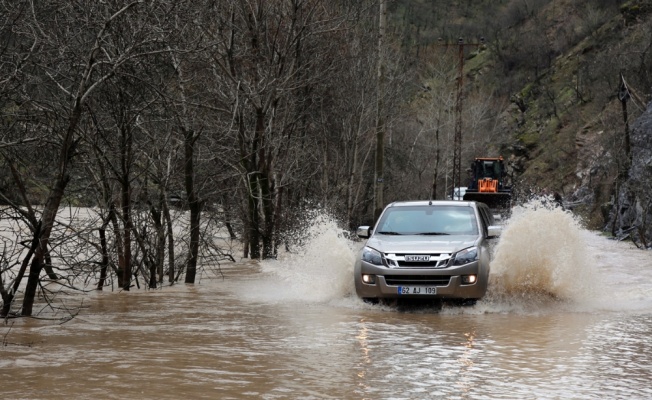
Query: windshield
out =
(428, 220)
(490, 169)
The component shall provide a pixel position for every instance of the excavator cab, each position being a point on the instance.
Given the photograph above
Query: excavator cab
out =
(488, 184)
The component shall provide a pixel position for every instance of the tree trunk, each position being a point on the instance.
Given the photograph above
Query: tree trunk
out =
(156, 267)
(170, 234)
(8, 297)
(277, 220)
(435, 173)
(194, 205)
(160, 239)
(47, 267)
(249, 160)
(353, 171)
(49, 215)
(105, 255)
(254, 217)
(119, 244)
(51, 208)
(268, 210)
(126, 242)
(380, 118)
(125, 192)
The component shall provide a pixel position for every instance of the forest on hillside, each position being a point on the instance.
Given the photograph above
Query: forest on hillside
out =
(555, 87)
(175, 121)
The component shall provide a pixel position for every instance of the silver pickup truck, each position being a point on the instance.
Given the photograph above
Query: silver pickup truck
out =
(426, 249)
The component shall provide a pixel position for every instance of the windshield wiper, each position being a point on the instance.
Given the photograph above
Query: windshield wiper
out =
(389, 233)
(433, 233)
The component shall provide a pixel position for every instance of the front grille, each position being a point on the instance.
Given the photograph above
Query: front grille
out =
(417, 264)
(437, 260)
(435, 280)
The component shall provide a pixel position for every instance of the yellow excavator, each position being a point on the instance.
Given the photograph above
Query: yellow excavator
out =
(489, 184)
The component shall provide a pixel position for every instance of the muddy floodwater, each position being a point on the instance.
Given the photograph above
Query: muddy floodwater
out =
(568, 316)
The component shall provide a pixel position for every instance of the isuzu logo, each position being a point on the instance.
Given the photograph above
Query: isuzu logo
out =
(417, 258)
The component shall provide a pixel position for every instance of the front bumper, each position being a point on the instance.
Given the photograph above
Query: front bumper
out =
(386, 286)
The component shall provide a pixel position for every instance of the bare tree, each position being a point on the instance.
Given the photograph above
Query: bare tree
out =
(71, 72)
(268, 61)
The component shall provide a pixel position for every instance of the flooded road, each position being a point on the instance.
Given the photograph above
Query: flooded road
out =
(568, 316)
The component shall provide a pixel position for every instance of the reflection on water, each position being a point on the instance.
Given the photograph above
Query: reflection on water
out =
(292, 329)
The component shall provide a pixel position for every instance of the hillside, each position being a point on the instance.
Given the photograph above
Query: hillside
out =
(552, 71)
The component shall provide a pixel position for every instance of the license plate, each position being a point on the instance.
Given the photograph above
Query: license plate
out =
(427, 290)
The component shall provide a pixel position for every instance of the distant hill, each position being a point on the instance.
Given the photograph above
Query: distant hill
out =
(556, 67)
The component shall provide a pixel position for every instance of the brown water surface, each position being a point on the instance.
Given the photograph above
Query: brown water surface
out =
(292, 329)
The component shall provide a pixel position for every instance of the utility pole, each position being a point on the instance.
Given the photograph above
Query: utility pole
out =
(380, 120)
(457, 141)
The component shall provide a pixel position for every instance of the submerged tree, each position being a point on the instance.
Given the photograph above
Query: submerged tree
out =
(77, 48)
(174, 120)
(270, 62)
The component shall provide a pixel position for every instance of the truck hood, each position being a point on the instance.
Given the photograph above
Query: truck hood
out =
(421, 244)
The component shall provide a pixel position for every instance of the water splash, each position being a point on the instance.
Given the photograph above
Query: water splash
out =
(544, 262)
(319, 270)
(541, 257)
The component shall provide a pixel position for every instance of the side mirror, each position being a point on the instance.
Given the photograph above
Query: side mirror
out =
(494, 231)
(363, 231)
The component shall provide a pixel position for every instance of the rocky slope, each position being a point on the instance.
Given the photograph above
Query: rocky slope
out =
(567, 126)
(632, 213)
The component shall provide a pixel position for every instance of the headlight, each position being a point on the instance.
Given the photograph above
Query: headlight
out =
(466, 256)
(372, 256)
